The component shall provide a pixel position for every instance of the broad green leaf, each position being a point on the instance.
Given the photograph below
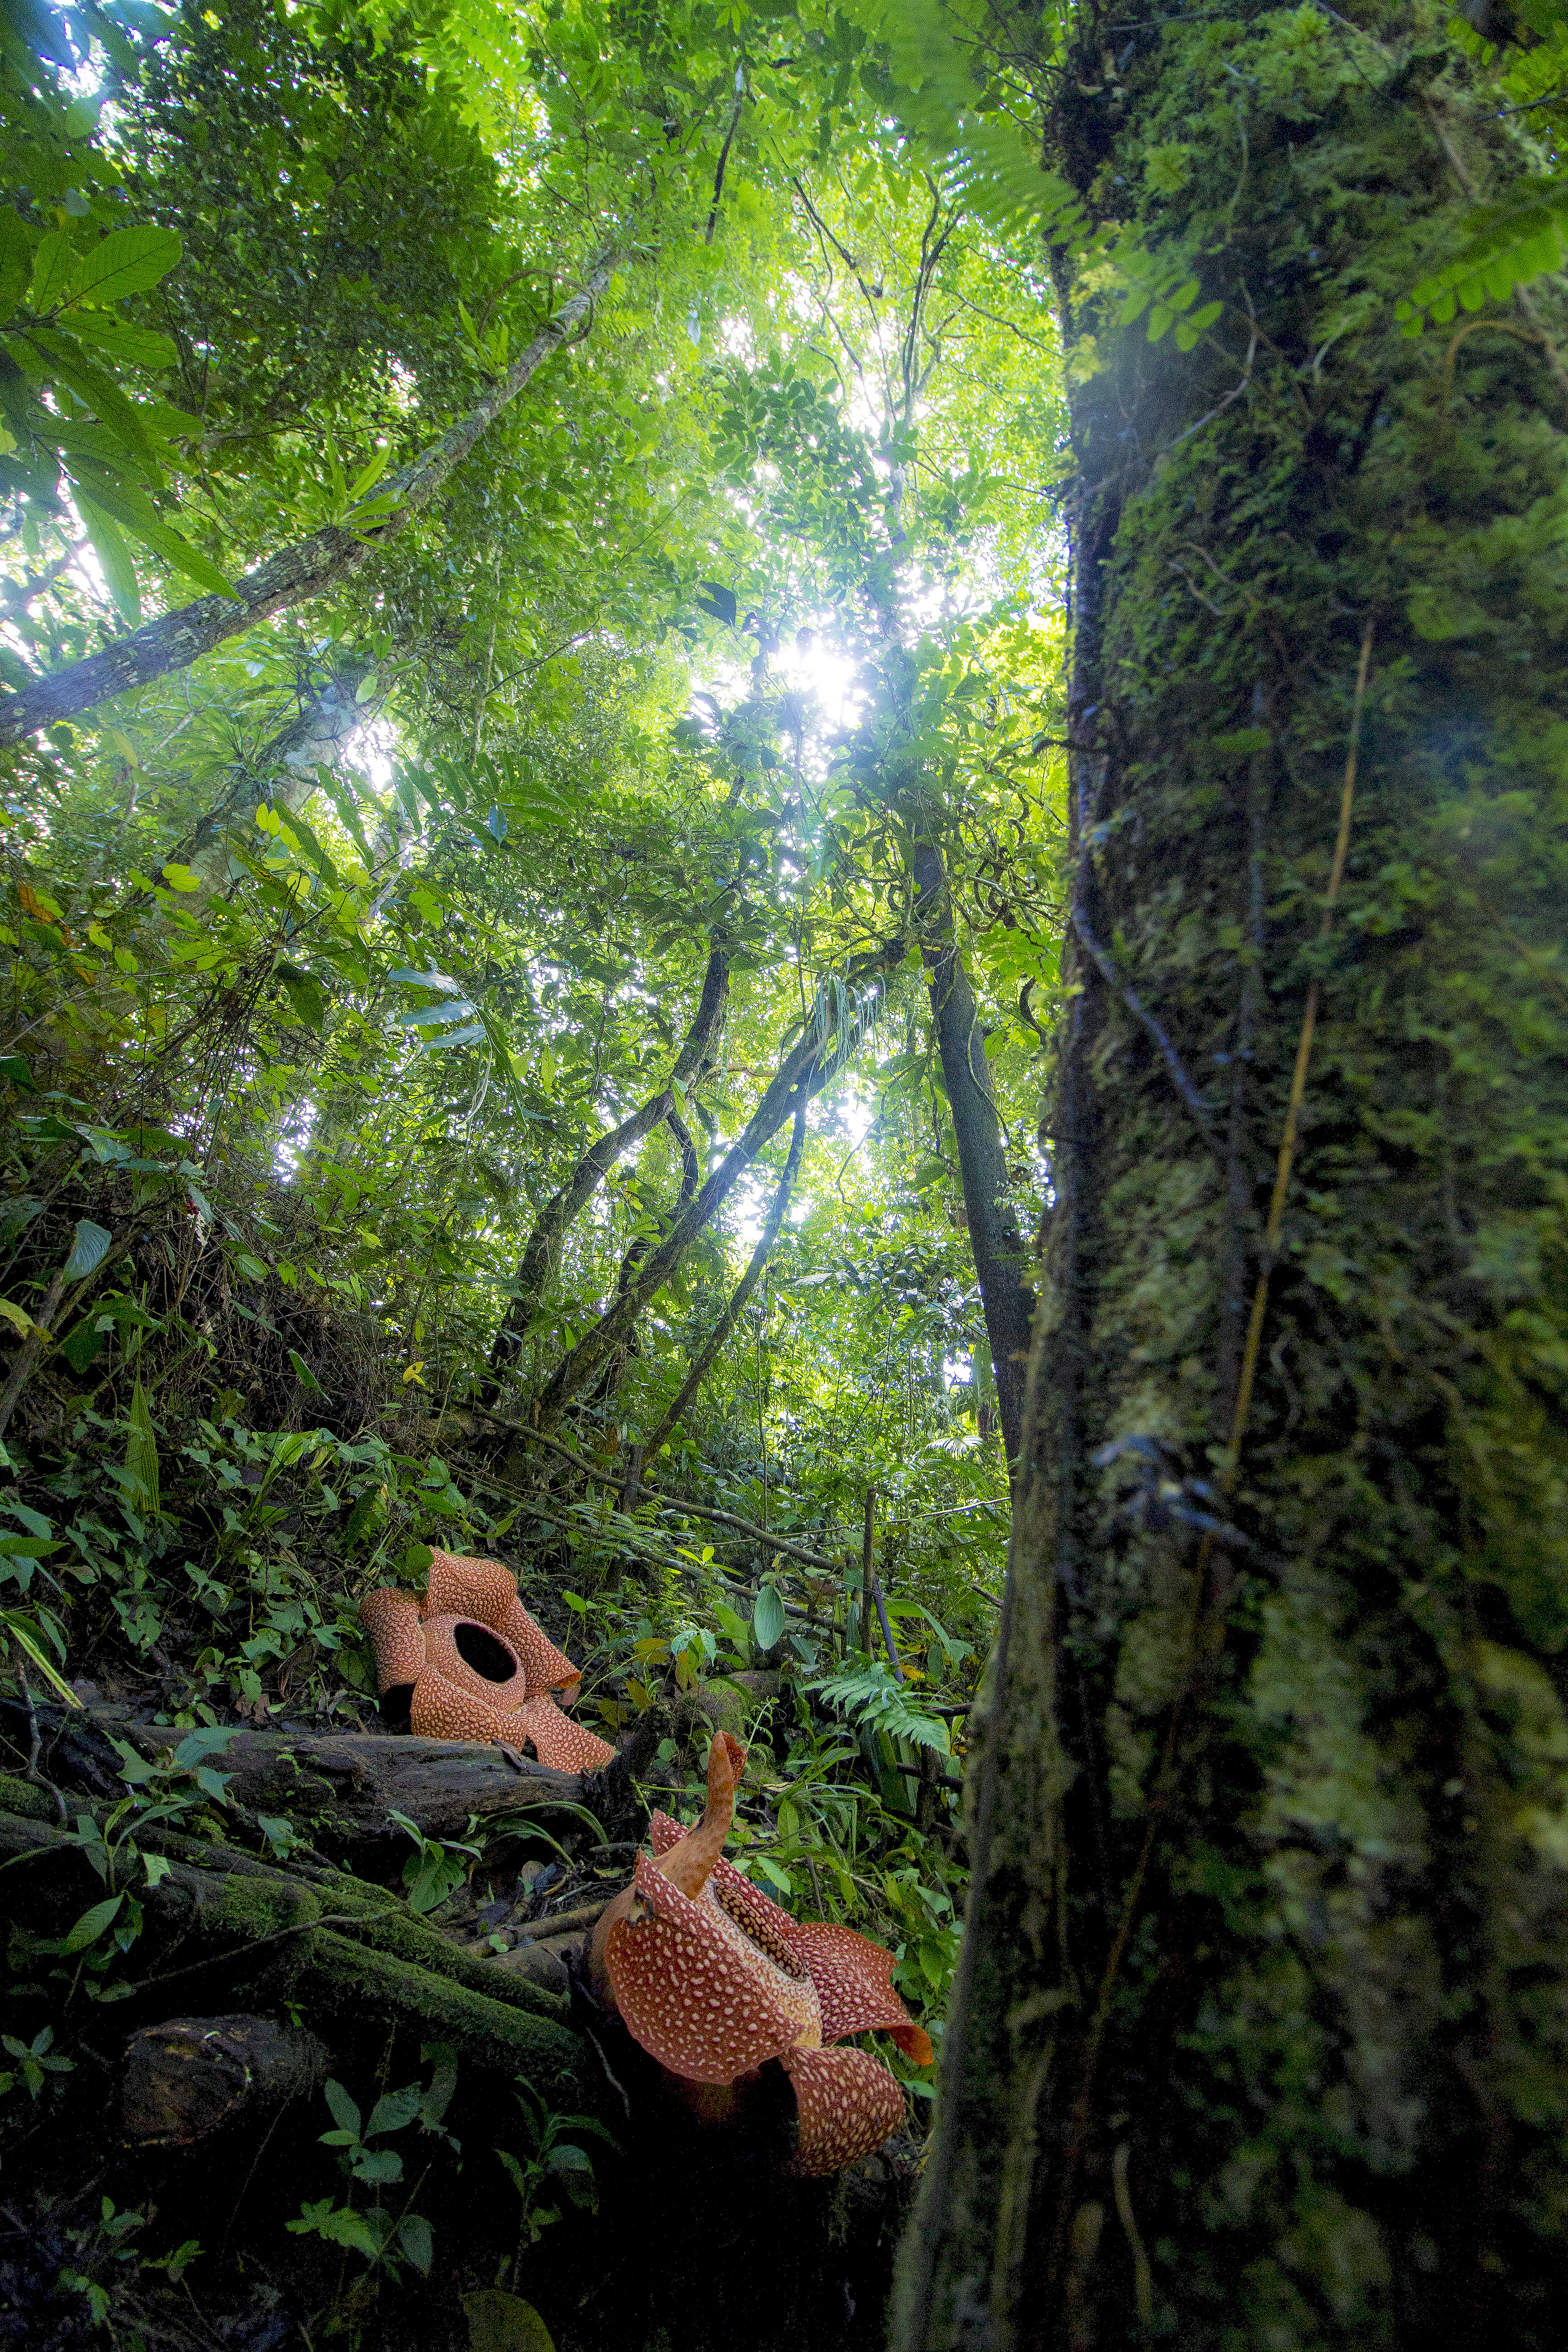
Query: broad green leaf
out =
(140, 517)
(127, 261)
(136, 346)
(88, 1250)
(94, 1923)
(345, 2114)
(114, 561)
(416, 2239)
(15, 259)
(395, 2110)
(431, 1016)
(97, 389)
(52, 266)
(499, 2322)
(767, 1617)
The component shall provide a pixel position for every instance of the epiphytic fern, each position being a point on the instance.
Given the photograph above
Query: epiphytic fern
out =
(1507, 244)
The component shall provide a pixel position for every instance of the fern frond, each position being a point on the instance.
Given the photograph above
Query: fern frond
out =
(873, 1700)
(1506, 245)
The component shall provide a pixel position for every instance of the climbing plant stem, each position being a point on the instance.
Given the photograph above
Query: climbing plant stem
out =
(1287, 1162)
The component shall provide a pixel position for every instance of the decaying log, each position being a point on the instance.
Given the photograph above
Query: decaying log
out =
(348, 1955)
(191, 2076)
(338, 1788)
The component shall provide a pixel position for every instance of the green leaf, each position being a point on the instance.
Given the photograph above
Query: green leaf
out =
(504, 2323)
(98, 389)
(345, 2114)
(135, 346)
(140, 517)
(1243, 739)
(93, 1924)
(207, 1740)
(127, 261)
(414, 2238)
(88, 1250)
(52, 266)
(303, 1373)
(1190, 330)
(767, 1617)
(15, 259)
(395, 2110)
(142, 1449)
(1509, 243)
(114, 558)
(306, 994)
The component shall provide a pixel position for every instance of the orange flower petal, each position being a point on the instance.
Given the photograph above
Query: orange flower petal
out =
(439, 1710)
(853, 1977)
(681, 1992)
(688, 1860)
(847, 2104)
(558, 1742)
(463, 1587)
(854, 1983)
(391, 1620)
(547, 1667)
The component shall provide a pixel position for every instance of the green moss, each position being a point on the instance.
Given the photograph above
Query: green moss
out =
(21, 1796)
(1315, 1973)
(347, 1980)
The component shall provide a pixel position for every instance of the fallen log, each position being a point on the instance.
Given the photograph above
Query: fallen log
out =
(348, 1956)
(338, 1788)
(191, 2076)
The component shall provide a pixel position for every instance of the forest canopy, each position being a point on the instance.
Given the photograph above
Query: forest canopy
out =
(782, 792)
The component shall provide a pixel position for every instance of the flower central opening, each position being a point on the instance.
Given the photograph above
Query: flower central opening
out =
(484, 1650)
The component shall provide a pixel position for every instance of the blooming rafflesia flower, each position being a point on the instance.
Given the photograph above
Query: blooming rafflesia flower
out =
(478, 1665)
(713, 1981)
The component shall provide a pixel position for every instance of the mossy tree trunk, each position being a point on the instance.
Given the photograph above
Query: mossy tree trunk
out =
(1261, 2036)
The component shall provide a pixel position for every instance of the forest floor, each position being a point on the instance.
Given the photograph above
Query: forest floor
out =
(501, 2170)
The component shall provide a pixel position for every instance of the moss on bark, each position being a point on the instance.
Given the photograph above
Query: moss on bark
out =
(1262, 2038)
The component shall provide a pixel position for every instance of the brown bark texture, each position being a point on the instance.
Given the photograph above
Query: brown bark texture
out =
(191, 2076)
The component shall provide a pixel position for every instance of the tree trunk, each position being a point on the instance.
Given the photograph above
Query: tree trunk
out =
(1258, 2037)
(800, 1077)
(313, 565)
(994, 1235)
(565, 1205)
(702, 1362)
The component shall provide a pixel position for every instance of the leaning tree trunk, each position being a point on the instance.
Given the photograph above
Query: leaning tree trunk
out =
(1261, 2031)
(1000, 1260)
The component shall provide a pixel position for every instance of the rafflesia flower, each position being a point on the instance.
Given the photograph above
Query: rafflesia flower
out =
(713, 1979)
(479, 1666)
